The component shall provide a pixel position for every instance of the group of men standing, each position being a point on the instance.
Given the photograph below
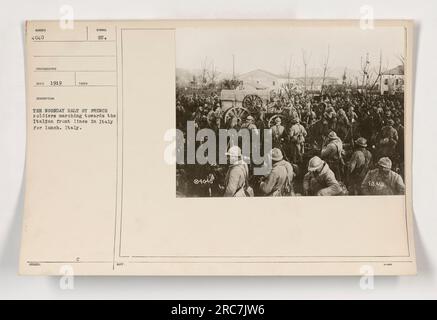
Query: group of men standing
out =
(309, 139)
(322, 177)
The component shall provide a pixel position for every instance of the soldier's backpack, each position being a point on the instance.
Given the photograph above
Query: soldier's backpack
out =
(287, 187)
(246, 188)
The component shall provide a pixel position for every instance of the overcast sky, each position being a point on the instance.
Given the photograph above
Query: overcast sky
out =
(271, 48)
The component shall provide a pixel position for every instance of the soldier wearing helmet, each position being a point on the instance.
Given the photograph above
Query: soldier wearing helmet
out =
(308, 115)
(358, 165)
(320, 180)
(343, 123)
(279, 181)
(388, 140)
(237, 177)
(250, 123)
(382, 180)
(330, 119)
(277, 133)
(332, 153)
(297, 134)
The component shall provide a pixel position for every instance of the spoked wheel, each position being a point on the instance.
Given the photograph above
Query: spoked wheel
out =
(272, 119)
(238, 113)
(253, 103)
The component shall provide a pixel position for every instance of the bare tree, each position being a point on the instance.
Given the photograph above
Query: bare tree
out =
(401, 58)
(208, 71)
(344, 77)
(233, 66)
(204, 70)
(212, 72)
(325, 70)
(288, 87)
(288, 68)
(365, 65)
(305, 60)
(378, 73)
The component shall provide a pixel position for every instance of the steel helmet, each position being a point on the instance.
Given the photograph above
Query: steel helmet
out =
(234, 151)
(332, 135)
(315, 163)
(385, 162)
(362, 142)
(277, 154)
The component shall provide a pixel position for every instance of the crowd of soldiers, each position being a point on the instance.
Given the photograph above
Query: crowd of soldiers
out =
(335, 144)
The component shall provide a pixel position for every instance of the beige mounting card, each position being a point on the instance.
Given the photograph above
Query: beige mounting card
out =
(102, 96)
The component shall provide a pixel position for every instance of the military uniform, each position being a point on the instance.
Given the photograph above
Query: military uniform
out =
(293, 114)
(388, 141)
(215, 117)
(297, 136)
(236, 179)
(277, 133)
(248, 125)
(332, 153)
(376, 183)
(279, 181)
(254, 145)
(321, 184)
(308, 117)
(330, 117)
(342, 124)
(358, 168)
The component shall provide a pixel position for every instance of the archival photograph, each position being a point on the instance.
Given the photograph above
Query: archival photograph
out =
(290, 111)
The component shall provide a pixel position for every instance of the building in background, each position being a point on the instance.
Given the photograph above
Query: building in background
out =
(261, 79)
(392, 80)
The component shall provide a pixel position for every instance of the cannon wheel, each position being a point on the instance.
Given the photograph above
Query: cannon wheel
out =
(238, 112)
(253, 103)
(271, 122)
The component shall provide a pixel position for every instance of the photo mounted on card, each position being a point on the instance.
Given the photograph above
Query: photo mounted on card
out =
(219, 148)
